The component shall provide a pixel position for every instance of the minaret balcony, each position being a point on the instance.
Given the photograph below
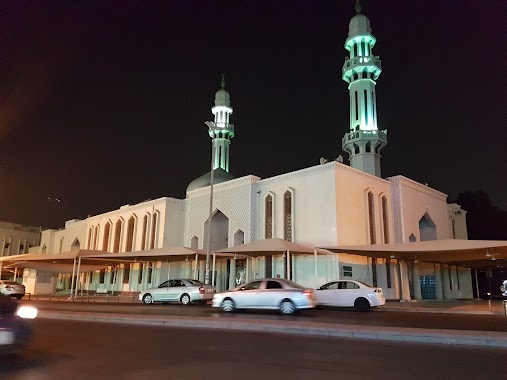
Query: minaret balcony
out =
(371, 135)
(359, 64)
(222, 130)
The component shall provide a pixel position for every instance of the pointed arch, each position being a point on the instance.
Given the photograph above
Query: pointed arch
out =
(154, 230)
(194, 242)
(131, 224)
(76, 245)
(96, 237)
(385, 219)
(371, 218)
(144, 237)
(412, 238)
(118, 227)
(239, 238)
(427, 229)
(107, 236)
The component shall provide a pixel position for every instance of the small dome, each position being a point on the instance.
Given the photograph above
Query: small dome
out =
(359, 25)
(222, 98)
(219, 176)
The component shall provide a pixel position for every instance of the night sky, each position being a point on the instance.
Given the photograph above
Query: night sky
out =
(103, 103)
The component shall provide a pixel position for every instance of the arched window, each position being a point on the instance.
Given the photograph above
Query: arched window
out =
(371, 218)
(268, 217)
(89, 245)
(239, 238)
(75, 245)
(96, 238)
(154, 227)
(117, 235)
(107, 233)
(427, 229)
(145, 229)
(194, 242)
(287, 216)
(130, 234)
(368, 147)
(61, 245)
(385, 220)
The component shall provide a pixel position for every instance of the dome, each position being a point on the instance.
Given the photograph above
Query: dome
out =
(219, 176)
(359, 25)
(222, 98)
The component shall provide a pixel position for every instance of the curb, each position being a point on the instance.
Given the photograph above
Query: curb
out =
(393, 334)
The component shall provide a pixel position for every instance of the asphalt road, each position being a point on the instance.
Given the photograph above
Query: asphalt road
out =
(376, 317)
(79, 350)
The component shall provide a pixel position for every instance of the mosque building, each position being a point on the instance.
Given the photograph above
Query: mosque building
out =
(325, 205)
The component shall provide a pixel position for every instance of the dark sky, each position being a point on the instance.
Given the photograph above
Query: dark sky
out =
(103, 103)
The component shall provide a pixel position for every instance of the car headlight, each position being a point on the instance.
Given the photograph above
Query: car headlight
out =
(27, 312)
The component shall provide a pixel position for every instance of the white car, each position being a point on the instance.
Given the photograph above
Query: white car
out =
(178, 290)
(350, 293)
(267, 293)
(12, 289)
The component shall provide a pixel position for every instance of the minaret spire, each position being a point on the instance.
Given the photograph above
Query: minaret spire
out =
(358, 6)
(221, 131)
(361, 69)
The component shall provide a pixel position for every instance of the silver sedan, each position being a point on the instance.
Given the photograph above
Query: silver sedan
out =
(178, 290)
(268, 294)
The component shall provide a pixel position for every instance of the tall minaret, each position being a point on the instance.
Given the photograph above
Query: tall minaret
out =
(364, 141)
(221, 131)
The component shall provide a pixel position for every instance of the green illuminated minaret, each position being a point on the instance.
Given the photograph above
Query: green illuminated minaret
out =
(223, 131)
(361, 69)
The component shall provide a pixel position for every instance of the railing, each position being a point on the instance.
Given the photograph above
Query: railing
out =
(371, 60)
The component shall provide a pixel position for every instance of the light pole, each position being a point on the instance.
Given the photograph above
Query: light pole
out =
(212, 126)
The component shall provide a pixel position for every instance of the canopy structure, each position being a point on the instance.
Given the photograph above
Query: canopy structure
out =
(267, 247)
(477, 253)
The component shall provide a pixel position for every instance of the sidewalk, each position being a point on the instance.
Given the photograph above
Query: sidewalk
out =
(447, 306)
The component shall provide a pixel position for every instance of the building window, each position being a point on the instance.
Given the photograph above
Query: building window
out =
(130, 234)
(268, 218)
(153, 230)
(368, 147)
(90, 238)
(287, 215)
(371, 218)
(385, 220)
(96, 237)
(107, 232)
(145, 226)
(102, 276)
(117, 236)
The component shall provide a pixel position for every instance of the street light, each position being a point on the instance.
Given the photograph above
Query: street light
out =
(212, 126)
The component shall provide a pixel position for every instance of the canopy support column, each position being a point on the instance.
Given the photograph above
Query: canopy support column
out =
(195, 267)
(77, 274)
(72, 280)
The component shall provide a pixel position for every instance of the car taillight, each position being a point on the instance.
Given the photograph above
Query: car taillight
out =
(308, 293)
(202, 290)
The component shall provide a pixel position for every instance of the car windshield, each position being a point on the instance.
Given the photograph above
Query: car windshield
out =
(195, 282)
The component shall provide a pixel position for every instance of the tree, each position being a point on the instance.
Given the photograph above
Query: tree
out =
(484, 220)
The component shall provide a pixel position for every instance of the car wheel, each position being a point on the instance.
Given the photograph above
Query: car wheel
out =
(185, 299)
(362, 304)
(148, 299)
(228, 305)
(287, 307)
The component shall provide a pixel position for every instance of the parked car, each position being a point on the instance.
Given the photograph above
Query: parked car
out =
(350, 293)
(12, 289)
(267, 293)
(185, 291)
(15, 327)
